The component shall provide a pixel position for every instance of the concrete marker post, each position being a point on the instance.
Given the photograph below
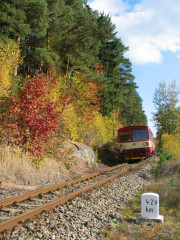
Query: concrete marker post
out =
(150, 209)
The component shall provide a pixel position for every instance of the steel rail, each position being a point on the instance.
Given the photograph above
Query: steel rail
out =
(23, 197)
(27, 215)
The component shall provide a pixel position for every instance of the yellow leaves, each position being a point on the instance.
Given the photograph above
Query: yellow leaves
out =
(80, 119)
(9, 58)
(172, 144)
(76, 128)
(101, 129)
(57, 88)
(70, 122)
(4, 80)
(104, 127)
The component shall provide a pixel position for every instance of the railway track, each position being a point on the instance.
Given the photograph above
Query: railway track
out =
(17, 210)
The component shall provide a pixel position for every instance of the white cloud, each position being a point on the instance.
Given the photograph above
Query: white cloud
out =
(112, 7)
(142, 51)
(148, 28)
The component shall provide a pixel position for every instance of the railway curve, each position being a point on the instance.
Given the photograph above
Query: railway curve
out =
(88, 197)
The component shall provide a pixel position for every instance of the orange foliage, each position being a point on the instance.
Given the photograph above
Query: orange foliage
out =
(91, 100)
(99, 68)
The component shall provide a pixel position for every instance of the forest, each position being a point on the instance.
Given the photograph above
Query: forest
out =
(63, 75)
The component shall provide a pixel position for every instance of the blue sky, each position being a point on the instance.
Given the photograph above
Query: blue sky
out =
(151, 30)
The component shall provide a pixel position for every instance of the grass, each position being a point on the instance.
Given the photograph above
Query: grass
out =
(167, 184)
(21, 168)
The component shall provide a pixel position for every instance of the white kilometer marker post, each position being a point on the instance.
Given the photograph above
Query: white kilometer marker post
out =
(150, 209)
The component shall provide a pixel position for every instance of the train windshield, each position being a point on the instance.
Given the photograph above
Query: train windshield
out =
(141, 135)
(126, 137)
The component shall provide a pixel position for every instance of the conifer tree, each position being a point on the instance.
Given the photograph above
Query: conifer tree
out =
(119, 87)
(23, 20)
(23, 17)
(131, 112)
(13, 20)
(73, 36)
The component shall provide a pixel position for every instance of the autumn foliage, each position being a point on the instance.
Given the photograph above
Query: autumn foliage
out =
(82, 121)
(171, 143)
(9, 58)
(81, 113)
(47, 105)
(100, 68)
(35, 115)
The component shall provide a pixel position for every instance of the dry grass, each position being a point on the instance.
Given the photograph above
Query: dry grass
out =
(17, 166)
(167, 185)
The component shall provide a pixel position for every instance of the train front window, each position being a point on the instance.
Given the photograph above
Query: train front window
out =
(126, 137)
(141, 135)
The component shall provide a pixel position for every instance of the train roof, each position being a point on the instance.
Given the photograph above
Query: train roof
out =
(129, 128)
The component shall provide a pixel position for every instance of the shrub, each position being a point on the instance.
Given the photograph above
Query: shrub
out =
(9, 58)
(34, 116)
(164, 155)
(171, 144)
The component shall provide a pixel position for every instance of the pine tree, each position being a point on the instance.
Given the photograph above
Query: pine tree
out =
(13, 19)
(131, 112)
(117, 74)
(73, 36)
(119, 90)
(23, 20)
(23, 17)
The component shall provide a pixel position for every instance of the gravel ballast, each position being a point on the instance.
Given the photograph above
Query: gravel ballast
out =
(87, 216)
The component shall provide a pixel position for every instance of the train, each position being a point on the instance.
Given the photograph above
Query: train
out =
(136, 142)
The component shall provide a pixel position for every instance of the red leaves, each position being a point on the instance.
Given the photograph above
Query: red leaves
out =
(35, 112)
(35, 115)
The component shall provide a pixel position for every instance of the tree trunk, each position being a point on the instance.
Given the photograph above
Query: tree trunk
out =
(67, 66)
(48, 40)
(114, 116)
(16, 65)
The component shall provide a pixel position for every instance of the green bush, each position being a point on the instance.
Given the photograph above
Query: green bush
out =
(156, 171)
(164, 156)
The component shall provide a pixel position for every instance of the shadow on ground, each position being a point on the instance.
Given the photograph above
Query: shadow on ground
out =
(109, 155)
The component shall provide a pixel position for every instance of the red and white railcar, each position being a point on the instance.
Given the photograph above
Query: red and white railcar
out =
(136, 142)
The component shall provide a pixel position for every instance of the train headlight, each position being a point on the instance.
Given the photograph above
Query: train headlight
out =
(146, 144)
(122, 145)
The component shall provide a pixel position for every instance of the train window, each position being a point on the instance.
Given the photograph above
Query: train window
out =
(141, 135)
(126, 137)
